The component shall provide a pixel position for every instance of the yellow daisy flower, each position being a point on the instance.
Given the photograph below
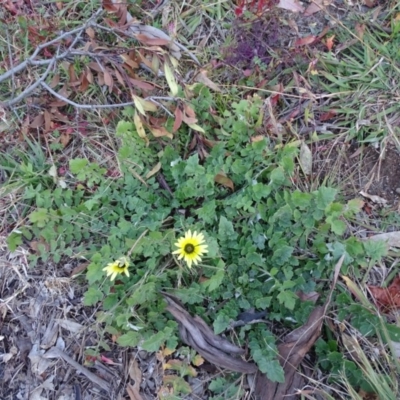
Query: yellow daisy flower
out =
(191, 247)
(119, 266)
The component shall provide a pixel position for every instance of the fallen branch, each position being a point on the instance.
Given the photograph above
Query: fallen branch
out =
(31, 60)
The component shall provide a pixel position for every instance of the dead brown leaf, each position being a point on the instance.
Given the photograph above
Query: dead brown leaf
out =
(178, 119)
(135, 373)
(360, 29)
(202, 77)
(37, 122)
(108, 80)
(223, 180)
(133, 393)
(295, 346)
(315, 6)
(152, 41)
(306, 40)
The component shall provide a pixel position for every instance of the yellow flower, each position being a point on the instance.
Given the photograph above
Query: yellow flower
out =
(191, 247)
(119, 266)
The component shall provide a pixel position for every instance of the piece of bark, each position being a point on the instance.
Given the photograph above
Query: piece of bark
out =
(295, 346)
(291, 352)
(196, 333)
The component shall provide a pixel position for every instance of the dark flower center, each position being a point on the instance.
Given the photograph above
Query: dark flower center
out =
(189, 249)
(120, 265)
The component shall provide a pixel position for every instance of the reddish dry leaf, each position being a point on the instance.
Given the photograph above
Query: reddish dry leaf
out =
(84, 82)
(360, 29)
(100, 79)
(329, 42)
(178, 119)
(160, 132)
(315, 6)
(108, 80)
(11, 7)
(54, 82)
(80, 267)
(37, 122)
(151, 41)
(306, 40)
(47, 121)
(72, 75)
(109, 6)
(107, 360)
(90, 32)
(120, 79)
(189, 111)
(370, 3)
(95, 66)
(141, 85)
(387, 298)
(326, 116)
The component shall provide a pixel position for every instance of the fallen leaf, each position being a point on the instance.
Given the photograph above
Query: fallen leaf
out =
(196, 127)
(143, 105)
(79, 268)
(370, 3)
(141, 85)
(135, 373)
(201, 77)
(291, 5)
(37, 122)
(139, 127)
(154, 170)
(306, 40)
(315, 6)
(387, 298)
(330, 42)
(326, 116)
(160, 132)
(152, 41)
(69, 325)
(108, 80)
(133, 393)
(360, 29)
(311, 296)
(305, 159)
(169, 76)
(223, 180)
(178, 119)
(375, 199)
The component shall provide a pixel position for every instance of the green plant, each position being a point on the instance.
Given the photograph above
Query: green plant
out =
(267, 240)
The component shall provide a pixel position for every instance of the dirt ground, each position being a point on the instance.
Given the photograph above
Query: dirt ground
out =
(366, 169)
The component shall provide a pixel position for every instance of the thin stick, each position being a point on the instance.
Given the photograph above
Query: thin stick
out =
(31, 88)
